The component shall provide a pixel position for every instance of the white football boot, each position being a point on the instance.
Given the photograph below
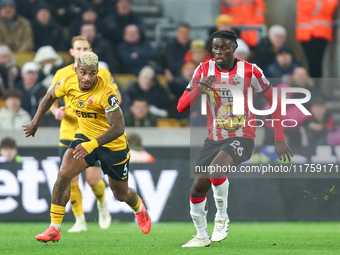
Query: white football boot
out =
(220, 229)
(197, 242)
(104, 215)
(79, 226)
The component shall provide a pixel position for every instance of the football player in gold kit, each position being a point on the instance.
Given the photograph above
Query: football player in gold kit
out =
(68, 128)
(100, 136)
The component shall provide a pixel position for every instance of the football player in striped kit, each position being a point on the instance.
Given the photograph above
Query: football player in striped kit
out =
(223, 147)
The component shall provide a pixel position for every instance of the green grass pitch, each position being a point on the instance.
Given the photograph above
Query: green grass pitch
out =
(167, 238)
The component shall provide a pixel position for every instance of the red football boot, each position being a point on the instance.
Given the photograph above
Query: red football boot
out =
(144, 220)
(51, 234)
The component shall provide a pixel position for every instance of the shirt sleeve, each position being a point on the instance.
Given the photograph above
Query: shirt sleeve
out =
(109, 101)
(59, 88)
(259, 82)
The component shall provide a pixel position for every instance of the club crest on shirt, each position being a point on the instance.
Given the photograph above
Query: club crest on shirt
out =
(81, 103)
(237, 79)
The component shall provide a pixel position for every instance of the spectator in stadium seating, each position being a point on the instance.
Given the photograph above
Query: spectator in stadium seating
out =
(177, 84)
(246, 13)
(26, 8)
(46, 31)
(177, 48)
(314, 29)
(9, 71)
(31, 89)
(149, 87)
(135, 53)
(283, 66)
(139, 114)
(265, 52)
(49, 62)
(100, 46)
(197, 53)
(301, 79)
(121, 16)
(223, 22)
(12, 115)
(9, 150)
(242, 51)
(102, 7)
(15, 30)
(64, 11)
(137, 153)
(89, 15)
(293, 135)
(320, 123)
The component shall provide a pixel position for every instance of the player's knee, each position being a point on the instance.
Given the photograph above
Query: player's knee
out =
(64, 176)
(120, 195)
(198, 191)
(92, 182)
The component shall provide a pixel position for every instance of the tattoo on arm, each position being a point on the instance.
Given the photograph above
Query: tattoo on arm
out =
(117, 127)
(44, 105)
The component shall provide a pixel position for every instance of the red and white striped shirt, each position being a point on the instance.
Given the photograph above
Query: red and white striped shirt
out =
(243, 75)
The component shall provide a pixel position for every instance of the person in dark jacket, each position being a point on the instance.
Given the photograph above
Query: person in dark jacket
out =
(100, 46)
(135, 53)
(139, 114)
(148, 87)
(177, 48)
(46, 31)
(121, 16)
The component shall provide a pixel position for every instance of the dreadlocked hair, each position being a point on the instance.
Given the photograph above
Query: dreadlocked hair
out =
(227, 34)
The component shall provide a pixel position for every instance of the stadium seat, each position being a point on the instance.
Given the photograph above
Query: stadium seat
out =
(168, 122)
(2, 102)
(123, 79)
(23, 57)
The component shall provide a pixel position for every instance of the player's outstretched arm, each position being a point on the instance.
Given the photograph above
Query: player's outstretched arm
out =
(44, 106)
(117, 128)
(283, 151)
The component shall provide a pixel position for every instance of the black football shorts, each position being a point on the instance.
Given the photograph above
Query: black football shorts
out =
(239, 148)
(113, 163)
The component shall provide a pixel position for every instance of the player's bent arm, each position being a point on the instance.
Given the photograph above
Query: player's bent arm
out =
(43, 107)
(117, 128)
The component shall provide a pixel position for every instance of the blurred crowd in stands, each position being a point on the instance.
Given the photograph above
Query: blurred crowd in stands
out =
(159, 75)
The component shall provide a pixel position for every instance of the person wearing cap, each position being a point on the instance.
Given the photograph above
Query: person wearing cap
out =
(32, 90)
(15, 30)
(197, 52)
(283, 65)
(46, 31)
(242, 51)
(12, 115)
(49, 63)
(224, 148)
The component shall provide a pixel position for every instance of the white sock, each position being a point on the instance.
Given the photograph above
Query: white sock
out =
(80, 218)
(221, 198)
(56, 226)
(199, 218)
(140, 208)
